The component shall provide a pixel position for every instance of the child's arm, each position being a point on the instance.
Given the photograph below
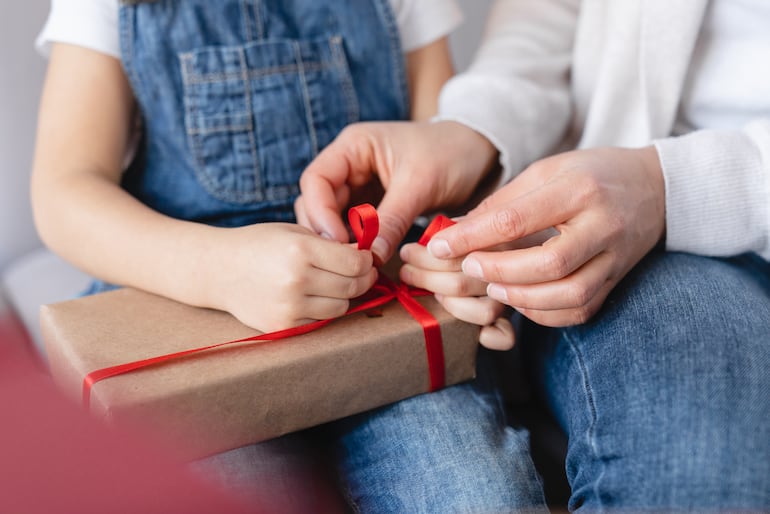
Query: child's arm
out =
(428, 69)
(270, 276)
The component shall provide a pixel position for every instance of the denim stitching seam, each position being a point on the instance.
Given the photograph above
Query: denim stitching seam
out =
(258, 22)
(209, 78)
(341, 62)
(252, 134)
(591, 433)
(245, 21)
(306, 97)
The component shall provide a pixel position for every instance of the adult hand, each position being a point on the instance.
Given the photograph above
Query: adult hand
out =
(421, 166)
(608, 207)
(462, 296)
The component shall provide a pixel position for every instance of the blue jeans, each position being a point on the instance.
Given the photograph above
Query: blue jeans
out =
(452, 451)
(665, 395)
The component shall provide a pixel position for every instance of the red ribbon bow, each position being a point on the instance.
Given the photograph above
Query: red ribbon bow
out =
(365, 225)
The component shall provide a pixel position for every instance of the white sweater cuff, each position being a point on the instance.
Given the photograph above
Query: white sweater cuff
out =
(718, 191)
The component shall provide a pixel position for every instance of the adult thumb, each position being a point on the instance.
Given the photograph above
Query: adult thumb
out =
(397, 210)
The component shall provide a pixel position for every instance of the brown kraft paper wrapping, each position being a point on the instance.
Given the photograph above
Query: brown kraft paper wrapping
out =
(248, 392)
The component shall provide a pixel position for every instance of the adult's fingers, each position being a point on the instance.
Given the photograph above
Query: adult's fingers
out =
(342, 194)
(572, 292)
(347, 161)
(399, 207)
(540, 209)
(451, 283)
(479, 310)
(418, 256)
(576, 244)
(300, 214)
(573, 316)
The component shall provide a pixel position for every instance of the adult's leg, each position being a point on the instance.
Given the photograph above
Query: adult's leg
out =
(665, 394)
(443, 452)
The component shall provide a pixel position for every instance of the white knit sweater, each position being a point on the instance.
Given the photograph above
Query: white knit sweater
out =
(557, 74)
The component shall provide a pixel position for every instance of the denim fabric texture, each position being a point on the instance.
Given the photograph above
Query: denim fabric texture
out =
(665, 395)
(237, 97)
(446, 452)
(452, 451)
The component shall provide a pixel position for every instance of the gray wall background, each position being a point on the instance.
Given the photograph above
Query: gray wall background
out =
(21, 76)
(465, 40)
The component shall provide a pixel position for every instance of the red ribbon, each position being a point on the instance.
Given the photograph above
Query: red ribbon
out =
(365, 225)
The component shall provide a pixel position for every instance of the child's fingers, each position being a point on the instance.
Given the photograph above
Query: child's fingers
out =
(322, 307)
(342, 259)
(331, 285)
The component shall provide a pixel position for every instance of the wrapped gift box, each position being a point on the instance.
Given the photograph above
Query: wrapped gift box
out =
(246, 392)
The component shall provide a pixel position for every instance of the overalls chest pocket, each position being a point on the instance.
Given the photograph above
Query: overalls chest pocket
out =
(257, 114)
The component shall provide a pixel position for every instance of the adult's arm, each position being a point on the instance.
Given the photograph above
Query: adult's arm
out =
(516, 92)
(718, 190)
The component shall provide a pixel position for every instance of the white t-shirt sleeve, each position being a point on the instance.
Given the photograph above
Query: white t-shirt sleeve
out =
(91, 24)
(422, 22)
(94, 23)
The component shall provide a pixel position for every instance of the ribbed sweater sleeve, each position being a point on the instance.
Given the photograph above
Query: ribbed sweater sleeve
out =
(718, 190)
(516, 93)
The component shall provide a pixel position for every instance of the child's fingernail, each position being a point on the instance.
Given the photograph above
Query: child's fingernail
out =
(497, 292)
(327, 235)
(472, 268)
(439, 248)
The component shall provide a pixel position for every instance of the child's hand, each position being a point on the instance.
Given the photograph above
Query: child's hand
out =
(462, 296)
(275, 275)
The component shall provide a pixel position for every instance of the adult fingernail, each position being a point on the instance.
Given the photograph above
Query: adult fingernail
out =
(381, 248)
(472, 268)
(497, 292)
(439, 248)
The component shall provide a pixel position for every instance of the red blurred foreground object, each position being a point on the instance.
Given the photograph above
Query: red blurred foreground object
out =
(53, 458)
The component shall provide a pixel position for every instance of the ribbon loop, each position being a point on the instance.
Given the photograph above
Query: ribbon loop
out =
(365, 224)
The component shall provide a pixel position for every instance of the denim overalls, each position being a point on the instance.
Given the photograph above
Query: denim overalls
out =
(238, 96)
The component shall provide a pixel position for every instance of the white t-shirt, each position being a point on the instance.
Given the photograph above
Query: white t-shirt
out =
(733, 44)
(94, 23)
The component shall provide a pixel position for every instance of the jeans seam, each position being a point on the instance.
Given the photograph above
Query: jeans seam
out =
(245, 21)
(591, 432)
(309, 116)
(250, 109)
